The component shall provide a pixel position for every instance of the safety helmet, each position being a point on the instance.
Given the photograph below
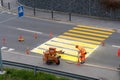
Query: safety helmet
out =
(76, 46)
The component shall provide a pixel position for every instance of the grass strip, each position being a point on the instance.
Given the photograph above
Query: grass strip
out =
(23, 74)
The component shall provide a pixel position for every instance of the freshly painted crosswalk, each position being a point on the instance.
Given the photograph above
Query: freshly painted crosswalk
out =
(87, 36)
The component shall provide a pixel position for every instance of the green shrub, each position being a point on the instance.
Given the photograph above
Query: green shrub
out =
(22, 74)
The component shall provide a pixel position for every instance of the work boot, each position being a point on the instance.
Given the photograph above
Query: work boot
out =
(78, 64)
(82, 62)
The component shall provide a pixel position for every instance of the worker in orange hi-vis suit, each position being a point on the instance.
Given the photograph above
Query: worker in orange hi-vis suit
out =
(81, 54)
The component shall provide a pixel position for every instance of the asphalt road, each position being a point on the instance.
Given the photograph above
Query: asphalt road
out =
(26, 27)
(101, 63)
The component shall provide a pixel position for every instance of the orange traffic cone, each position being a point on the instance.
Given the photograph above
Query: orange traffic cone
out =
(118, 52)
(4, 40)
(20, 38)
(35, 35)
(103, 43)
(50, 35)
(27, 51)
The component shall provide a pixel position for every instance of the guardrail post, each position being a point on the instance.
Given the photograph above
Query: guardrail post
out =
(1, 63)
(34, 10)
(34, 70)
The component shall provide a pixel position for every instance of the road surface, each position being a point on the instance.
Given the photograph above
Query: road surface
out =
(101, 63)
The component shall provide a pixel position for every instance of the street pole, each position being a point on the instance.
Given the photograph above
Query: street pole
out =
(52, 5)
(70, 10)
(69, 16)
(9, 5)
(2, 3)
(52, 14)
(34, 11)
(1, 64)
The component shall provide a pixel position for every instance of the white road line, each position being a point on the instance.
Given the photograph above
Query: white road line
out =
(31, 31)
(103, 67)
(3, 48)
(66, 22)
(11, 49)
(115, 46)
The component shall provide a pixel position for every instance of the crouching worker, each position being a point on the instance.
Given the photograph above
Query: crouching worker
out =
(81, 54)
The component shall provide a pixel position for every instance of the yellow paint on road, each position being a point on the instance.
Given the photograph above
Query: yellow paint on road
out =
(83, 36)
(93, 31)
(63, 56)
(79, 39)
(75, 42)
(97, 28)
(65, 46)
(88, 33)
(87, 36)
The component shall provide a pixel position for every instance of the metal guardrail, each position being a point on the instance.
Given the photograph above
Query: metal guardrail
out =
(37, 68)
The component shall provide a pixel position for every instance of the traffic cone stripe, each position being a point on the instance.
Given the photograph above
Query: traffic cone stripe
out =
(119, 52)
(35, 35)
(27, 51)
(20, 38)
(50, 35)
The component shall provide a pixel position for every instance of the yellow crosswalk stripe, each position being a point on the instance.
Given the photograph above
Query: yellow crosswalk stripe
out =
(83, 36)
(104, 29)
(66, 46)
(88, 33)
(75, 42)
(79, 39)
(60, 46)
(67, 51)
(87, 36)
(63, 56)
(36, 50)
(70, 58)
(101, 32)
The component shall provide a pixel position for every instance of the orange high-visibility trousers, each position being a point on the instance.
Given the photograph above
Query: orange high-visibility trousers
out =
(81, 57)
(81, 53)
